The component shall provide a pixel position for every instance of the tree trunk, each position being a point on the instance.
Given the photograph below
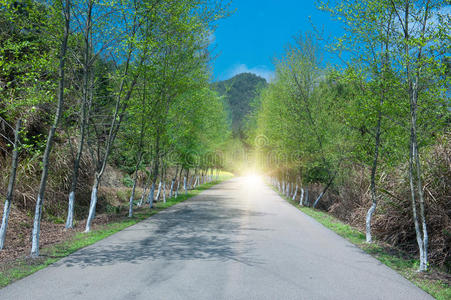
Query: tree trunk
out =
(75, 173)
(159, 191)
(295, 193)
(12, 181)
(171, 192)
(177, 190)
(151, 195)
(301, 199)
(414, 165)
(156, 168)
(83, 118)
(323, 192)
(173, 182)
(164, 191)
(115, 123)
(135, 179)
(373, 176)
(414, 205)
(146, 187)
(93, 203)
(119, 112)
(50, 138)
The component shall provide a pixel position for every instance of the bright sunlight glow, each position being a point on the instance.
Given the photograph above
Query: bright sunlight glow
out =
(253, 179)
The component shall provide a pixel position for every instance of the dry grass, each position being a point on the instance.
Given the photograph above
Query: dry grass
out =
(393, 222)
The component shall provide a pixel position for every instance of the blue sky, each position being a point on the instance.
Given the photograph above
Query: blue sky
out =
(258, 31)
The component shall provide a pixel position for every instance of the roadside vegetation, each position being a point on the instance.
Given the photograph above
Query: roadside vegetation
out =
(435, 282)
(91, 112)
(24, 266)
(368, 141)
(99, 121)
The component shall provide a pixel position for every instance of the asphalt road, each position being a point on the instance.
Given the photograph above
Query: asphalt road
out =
(238, 240)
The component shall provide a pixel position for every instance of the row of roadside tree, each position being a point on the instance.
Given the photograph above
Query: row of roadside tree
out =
(110, 80)
(379, 119)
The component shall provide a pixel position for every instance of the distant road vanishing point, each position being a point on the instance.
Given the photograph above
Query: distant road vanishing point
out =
(237, 240)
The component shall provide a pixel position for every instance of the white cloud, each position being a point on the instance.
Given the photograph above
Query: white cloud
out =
(261, 71)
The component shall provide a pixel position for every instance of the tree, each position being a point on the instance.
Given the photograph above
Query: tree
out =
(295, 122)
(421, 44)
(412, 40)
(126, 75)
(370, 76)
(65, 11)
(12, 181)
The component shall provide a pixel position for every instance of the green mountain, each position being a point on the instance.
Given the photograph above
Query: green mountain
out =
(239, 92)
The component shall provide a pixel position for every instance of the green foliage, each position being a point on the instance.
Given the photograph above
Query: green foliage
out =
(300, 118)
(127, 181)
(27, 57)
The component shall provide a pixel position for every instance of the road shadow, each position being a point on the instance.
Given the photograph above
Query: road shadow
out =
(206, 229)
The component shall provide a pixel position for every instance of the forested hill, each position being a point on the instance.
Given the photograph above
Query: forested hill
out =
(239, 91)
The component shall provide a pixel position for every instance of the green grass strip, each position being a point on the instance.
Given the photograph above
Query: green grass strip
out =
(23, 267)
(393, 258)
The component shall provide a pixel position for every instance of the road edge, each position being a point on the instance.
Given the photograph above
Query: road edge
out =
(407, 268)
(25, 266)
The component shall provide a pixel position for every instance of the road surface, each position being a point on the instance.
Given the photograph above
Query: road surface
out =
(237, 240)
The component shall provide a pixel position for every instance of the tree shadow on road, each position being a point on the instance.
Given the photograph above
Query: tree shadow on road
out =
(204, 229)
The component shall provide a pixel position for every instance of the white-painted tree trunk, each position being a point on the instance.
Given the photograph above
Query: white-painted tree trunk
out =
(295, 193)
(369, 214)
(36, 229)
(171, 192)
(11, 183)
(70, 211)
(184, 185)
(146, 187)
(301, 199)
(92, 206)
(143, 195)
(317, 199)
(177, 190)
(6, 210)
(132, 197)
(159, 192)
(151, 195)
(50, 138)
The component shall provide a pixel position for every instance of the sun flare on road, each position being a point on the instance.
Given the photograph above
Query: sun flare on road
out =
(253, 179)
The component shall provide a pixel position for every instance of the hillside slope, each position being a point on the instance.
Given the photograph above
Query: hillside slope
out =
(239, 92)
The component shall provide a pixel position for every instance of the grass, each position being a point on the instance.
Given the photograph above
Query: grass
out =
(393, 258)
(25, 266)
